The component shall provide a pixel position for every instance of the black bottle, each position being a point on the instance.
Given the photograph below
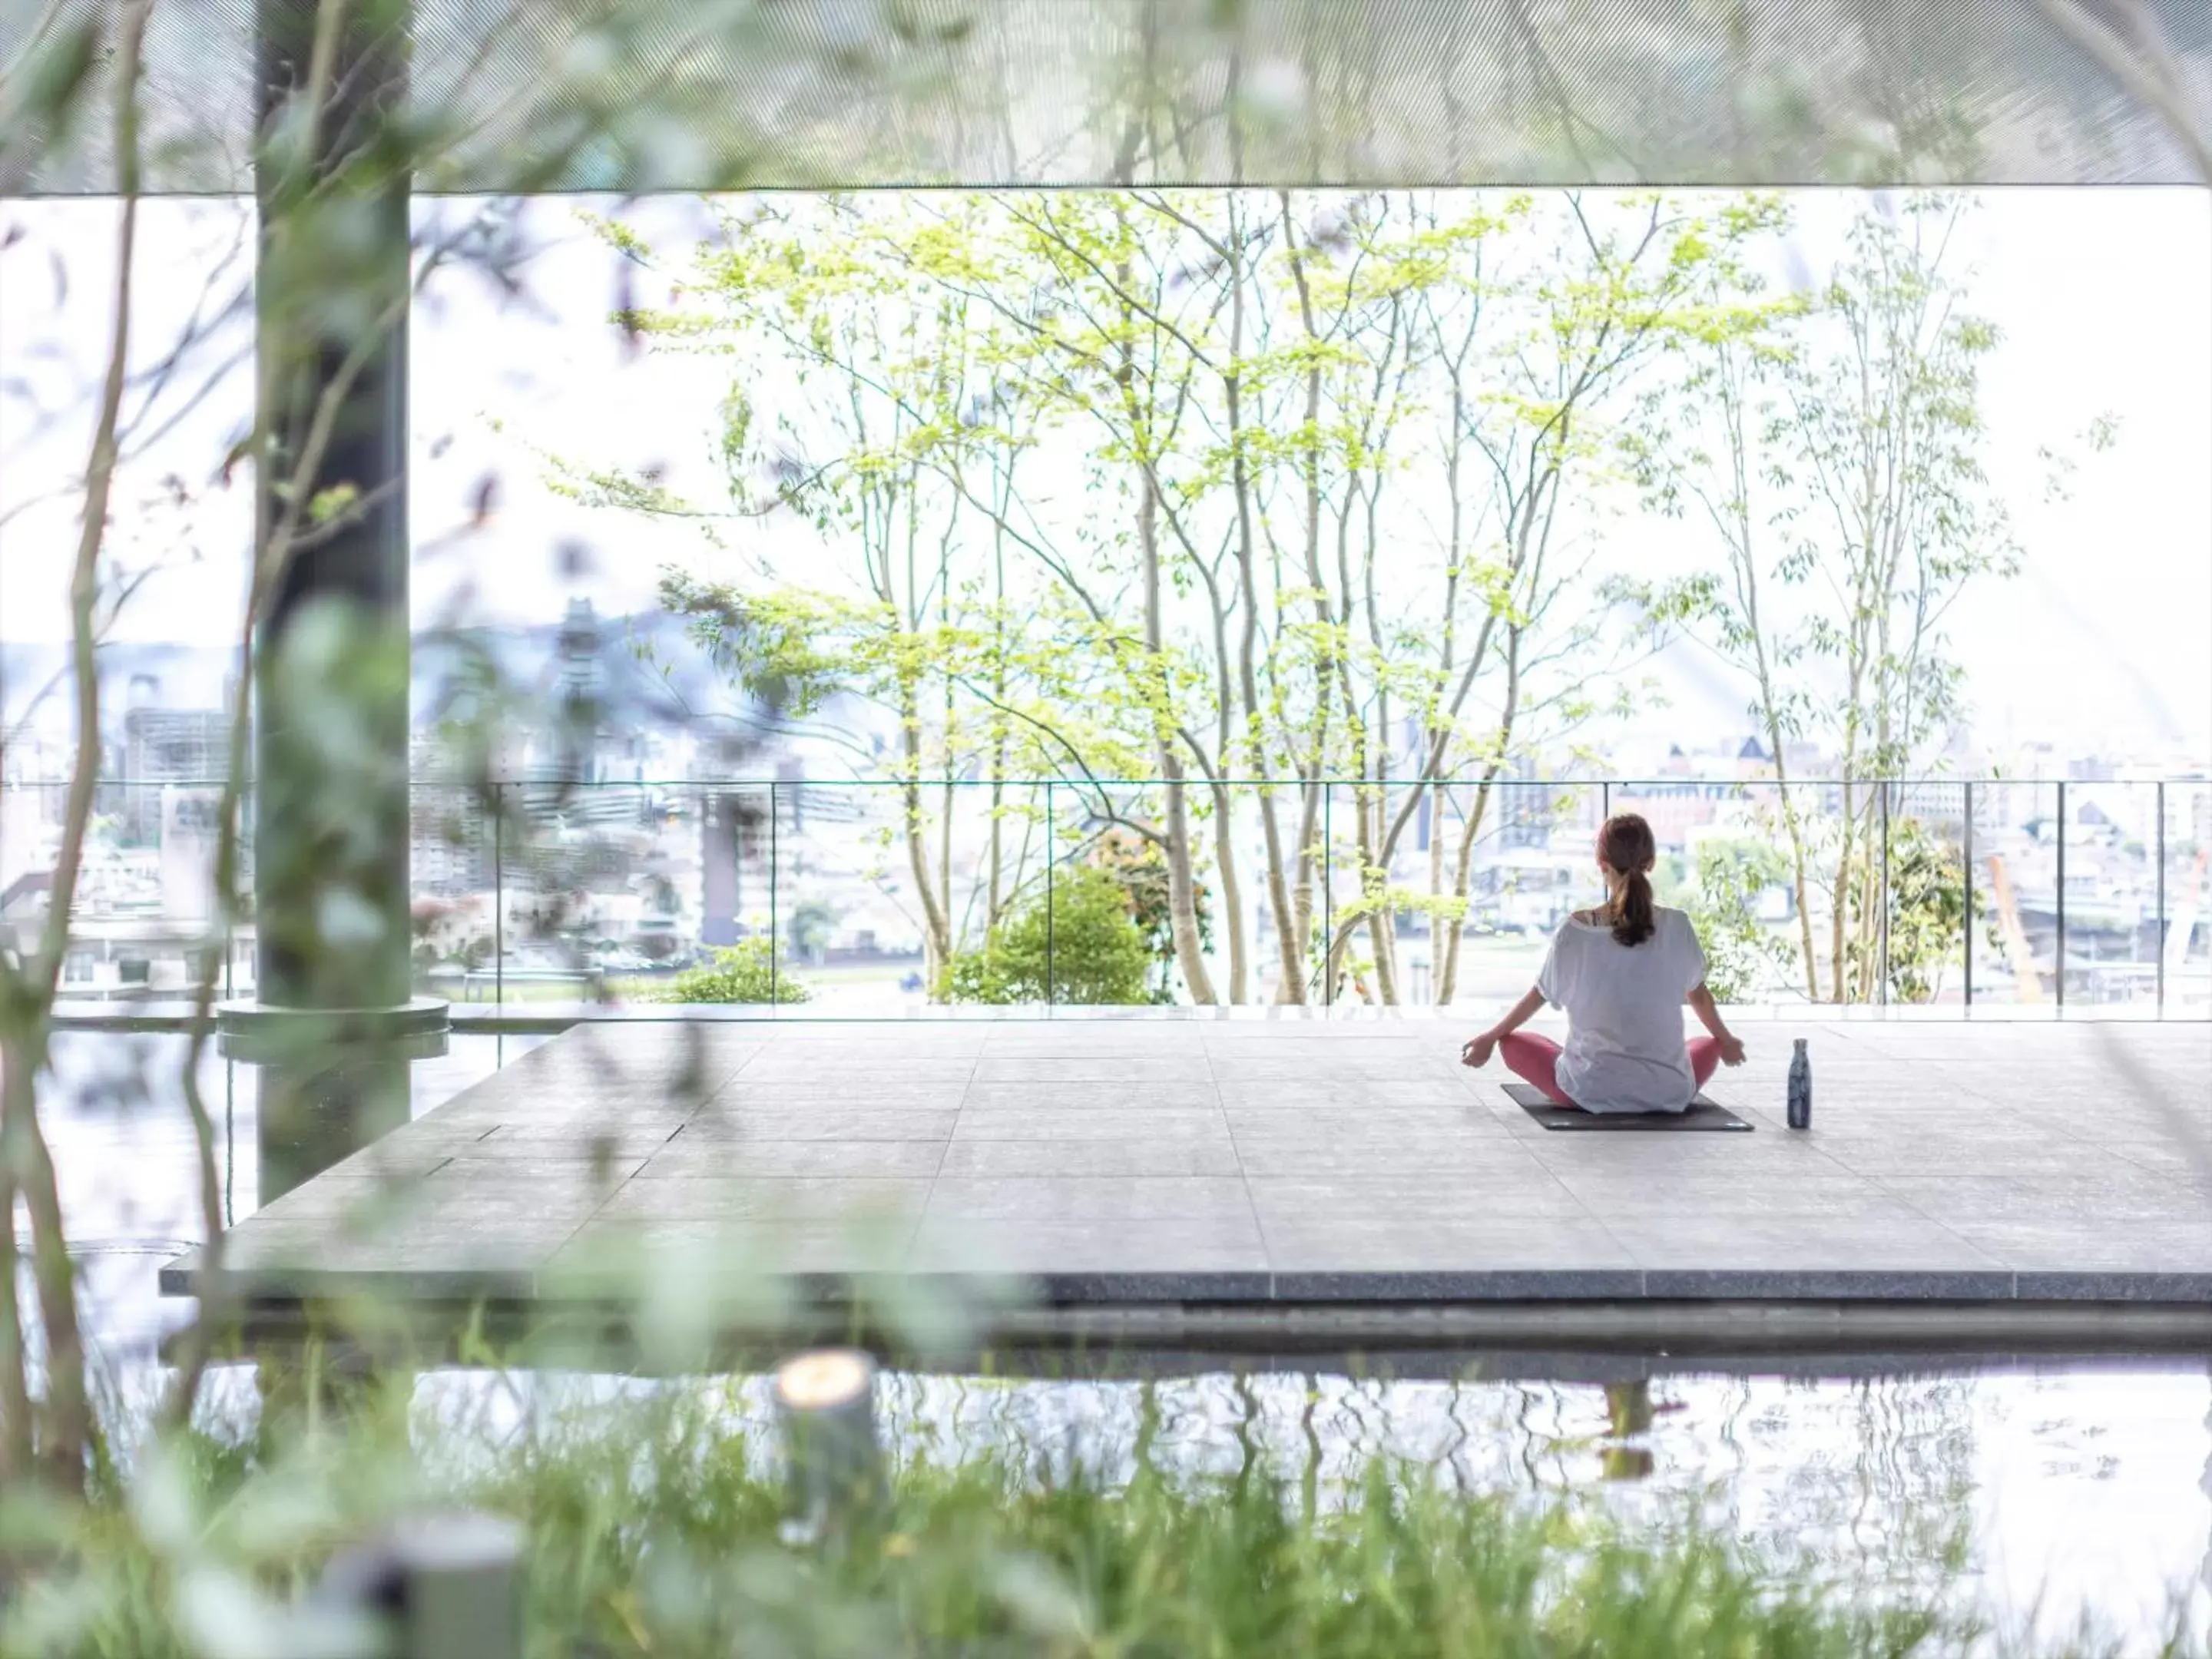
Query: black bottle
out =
(1801, 1088)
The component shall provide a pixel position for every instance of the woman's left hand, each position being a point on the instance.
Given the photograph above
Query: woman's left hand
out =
(1478, 1051)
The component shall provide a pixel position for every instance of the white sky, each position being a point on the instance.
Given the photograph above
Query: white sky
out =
(2104, 297)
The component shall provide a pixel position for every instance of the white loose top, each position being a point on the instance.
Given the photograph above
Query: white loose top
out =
(1624, 1051)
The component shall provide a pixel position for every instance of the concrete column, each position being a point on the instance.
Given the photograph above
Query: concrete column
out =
(331, 663)
(333, 1024)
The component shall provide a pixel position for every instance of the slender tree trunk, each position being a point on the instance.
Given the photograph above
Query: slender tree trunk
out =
(1434, 734)
(1385, 843)
(1156, 679)
(1463, 864)
(17, 1443)
(999, 703)
(1744, 553)
(1372, 885)
(1313, 830)
(1794, 826)
(944, 863)
(937, 947)
(1333, 673)
(1302, 890)
(1225, 800)
(1462, 870)
(1232, 889)
(937, 932)
(1387, 916)
(1289, 942)
(1373, 882)
(1846, 850)
(1182, 886)
(951, 716)
(31, 1170)
(997, 852)
(1437, 921)
(30, 991)
(1838, 960)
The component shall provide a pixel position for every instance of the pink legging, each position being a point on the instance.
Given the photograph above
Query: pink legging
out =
(1535, 1059)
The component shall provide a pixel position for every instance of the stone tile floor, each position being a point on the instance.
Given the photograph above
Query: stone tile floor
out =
(1235, 1159)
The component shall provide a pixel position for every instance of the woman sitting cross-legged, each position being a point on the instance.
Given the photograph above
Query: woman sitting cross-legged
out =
(1622, 973)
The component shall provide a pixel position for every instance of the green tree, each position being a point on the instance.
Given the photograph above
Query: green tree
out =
(870, 413)
(1334, 458)
(1079, 946)
(1831, 447)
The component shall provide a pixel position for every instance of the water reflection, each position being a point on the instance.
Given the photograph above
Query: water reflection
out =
(1628, 1413)
(2048, 1497)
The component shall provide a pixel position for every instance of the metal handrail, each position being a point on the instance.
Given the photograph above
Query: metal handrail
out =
(1973, 793)
(739, 780)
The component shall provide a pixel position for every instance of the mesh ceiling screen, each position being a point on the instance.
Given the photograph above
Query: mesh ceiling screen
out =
(639, 94)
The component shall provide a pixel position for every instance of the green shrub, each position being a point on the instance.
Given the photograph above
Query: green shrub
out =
(743, 972)
(1086, 941)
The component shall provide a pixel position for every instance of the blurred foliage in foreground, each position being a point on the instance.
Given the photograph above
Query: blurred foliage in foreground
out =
(655, 1527)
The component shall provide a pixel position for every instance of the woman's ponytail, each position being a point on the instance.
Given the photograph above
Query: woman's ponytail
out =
(1626, 848)
(1635, 924)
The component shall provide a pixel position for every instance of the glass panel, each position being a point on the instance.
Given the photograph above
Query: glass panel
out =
(1014, 842)
(452, 842)
(1727, 856)
(2016, 893)
(1450, 829)
(2187, 935)
(1112, 937)
(1398, 816)
(846, 894)
(1525, 847)
(145, 901)
(977, 835)
(714, 848)
(1924, 949)
(2112, 893)
(241, 958)
(1242, 867)
(30, 831)
(598, 885)
(614, 889)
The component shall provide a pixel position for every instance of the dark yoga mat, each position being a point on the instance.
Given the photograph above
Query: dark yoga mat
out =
(1703, 1114)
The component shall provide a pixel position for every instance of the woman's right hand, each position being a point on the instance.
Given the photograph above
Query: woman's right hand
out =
(1478, 1051)
(1731, 1050)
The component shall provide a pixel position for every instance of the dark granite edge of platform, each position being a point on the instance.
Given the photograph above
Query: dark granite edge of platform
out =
(1459, 1285)
(405, 1285)
(1077, 1287)
(1846, 1285)
(2091, 1287)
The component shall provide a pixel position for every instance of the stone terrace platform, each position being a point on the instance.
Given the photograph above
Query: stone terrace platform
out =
(1249, 1160)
